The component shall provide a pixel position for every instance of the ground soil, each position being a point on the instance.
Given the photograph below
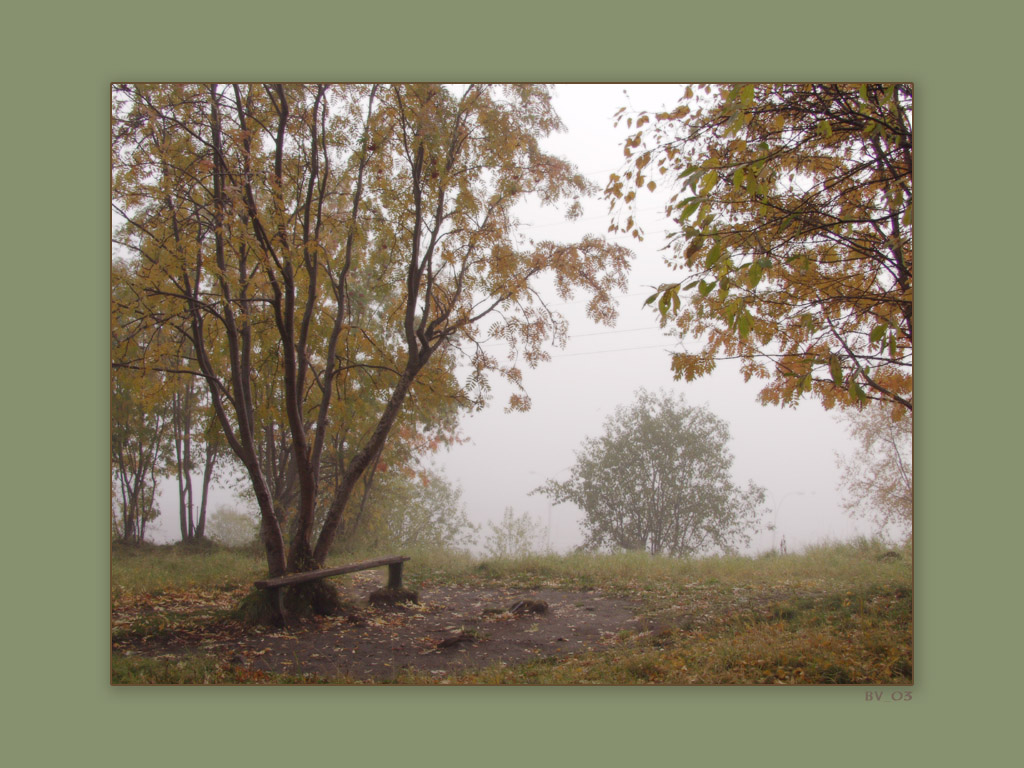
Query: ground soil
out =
(451, 628)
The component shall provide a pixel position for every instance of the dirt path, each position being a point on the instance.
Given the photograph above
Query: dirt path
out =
(452, 628)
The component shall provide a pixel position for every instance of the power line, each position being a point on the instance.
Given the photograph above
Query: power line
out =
(587, 301)
(609, 351)
(588, 218)
(573, 336)
(605, 333)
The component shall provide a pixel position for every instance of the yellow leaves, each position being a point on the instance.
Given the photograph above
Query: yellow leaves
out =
(707, 182)
(518, 403)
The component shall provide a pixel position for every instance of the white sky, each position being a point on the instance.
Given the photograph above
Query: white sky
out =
(790, 452)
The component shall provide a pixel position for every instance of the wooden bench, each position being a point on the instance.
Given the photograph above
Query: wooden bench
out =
(276, 585)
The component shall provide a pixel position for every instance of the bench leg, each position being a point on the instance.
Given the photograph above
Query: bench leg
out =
(395, 575)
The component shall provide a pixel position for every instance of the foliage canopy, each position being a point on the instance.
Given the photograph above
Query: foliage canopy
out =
(330, 252)
(792, 212)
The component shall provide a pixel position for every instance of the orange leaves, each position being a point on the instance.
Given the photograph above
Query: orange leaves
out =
(689, 366)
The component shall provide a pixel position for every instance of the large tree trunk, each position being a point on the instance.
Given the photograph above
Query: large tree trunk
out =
(211, 460)
(270, 531)
(364, 458)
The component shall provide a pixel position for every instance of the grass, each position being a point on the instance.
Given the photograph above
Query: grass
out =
(196, 670)
(150, 569)
(834, 614)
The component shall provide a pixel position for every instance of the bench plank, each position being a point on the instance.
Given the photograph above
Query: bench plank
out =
(301, 578)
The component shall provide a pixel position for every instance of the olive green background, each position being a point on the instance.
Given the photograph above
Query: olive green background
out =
(59, 61)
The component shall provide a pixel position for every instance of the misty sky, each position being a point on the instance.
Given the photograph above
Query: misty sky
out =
(790, 452)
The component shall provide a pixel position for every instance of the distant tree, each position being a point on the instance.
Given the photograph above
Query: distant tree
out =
(137, 432)
(659, 480)
(406, 509)
(792, 213)
(232, 527)
(194, 431)
(878, 478)
(514, 536)
(139, 420)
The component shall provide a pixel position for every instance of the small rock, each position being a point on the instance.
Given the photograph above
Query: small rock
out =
(528, 606)
(453, 640)
(393, 596)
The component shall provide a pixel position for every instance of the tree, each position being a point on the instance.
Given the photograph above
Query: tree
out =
(137, 434)
(879, 477)
(515, 536)
(413, 509)
(792, 211)
(192, 422)
(658, 479)
(263, 216)
(232, 527)
(139, 419)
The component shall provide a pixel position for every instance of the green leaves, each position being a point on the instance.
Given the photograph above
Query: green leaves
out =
(713, 255)
(669, 300)
(667, 297)
(744, 324)
(857, 393)
(754, 273)
(835, 367)
(708, 181)
(689, 209)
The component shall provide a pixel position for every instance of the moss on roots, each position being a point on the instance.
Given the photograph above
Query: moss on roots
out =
(257, 609)
(316, 598)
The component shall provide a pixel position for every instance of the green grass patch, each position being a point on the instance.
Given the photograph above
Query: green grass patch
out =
(152, 569)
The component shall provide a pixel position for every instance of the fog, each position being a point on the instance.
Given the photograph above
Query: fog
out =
(790, 452)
